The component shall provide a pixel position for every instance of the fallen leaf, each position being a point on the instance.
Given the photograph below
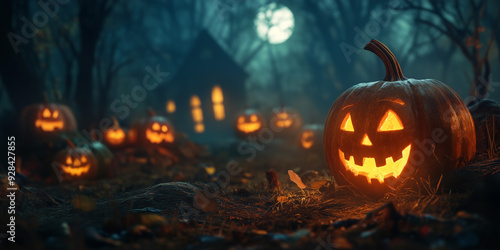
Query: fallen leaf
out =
(210, 170)
(206, 204)
(281, 199)
(83, 203)
(151, 220)
(318, 184)
(296, 179)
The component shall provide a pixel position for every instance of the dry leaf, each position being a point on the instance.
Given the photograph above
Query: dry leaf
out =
(84, 203)
(151, 220)
(282, 199)
(318, 184)
(210, 170)
(295, 178)
(206, 204)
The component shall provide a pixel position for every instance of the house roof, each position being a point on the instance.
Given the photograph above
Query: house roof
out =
(206, 64)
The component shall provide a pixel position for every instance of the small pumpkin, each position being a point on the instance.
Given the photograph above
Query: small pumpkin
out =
(151, 131)
(115, 136)
(46, 119)
(285, 121)
(75, 163)
(248, 122)
(310, 137)
(379, 133)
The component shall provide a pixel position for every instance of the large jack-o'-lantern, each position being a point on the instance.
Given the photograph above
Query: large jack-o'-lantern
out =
(248, 123)
(46, 119)
(154, 130)
(379, 133)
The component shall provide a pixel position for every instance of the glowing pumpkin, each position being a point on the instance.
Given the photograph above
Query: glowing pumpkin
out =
(379, 133)
(285, 121)
(47, 119)
(310, 138)
(115, 136)
(74, 163)
(154, 130)
(248, 122)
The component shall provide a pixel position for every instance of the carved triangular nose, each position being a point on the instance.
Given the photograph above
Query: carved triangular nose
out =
(366, 141)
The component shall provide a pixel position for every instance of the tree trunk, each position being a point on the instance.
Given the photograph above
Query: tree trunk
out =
(21, 82)
(92, 16)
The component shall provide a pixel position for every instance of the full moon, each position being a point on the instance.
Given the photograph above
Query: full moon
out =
(274, 23)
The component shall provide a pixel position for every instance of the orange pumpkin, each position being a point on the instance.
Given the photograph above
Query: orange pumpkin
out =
(45, 120)
(75, 163)
(379, 133)
(115, 136)
(249, 122)
(285, 121)
(310, 137)
(152, 131)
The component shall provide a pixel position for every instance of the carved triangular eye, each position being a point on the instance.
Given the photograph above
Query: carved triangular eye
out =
(156, 126)
(46, 113)
(390, 122)
(347, 123)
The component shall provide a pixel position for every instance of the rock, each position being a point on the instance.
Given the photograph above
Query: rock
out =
(486, 115)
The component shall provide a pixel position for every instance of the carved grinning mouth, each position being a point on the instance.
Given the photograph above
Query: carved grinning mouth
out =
(46, 125)
(157, 137)
(76, 171)
(249, 127)
(370, 170)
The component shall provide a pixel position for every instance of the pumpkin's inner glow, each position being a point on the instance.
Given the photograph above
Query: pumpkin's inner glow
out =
(284, 120)
(366, 141)
(249, 127)
(76, 166)
(370, 170)
(347, 123)
(115, 136)
(46, 113)
(156, 136)
(307, 139)
(46, 123)
(390, 122)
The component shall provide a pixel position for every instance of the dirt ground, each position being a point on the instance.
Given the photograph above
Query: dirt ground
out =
(200, 202)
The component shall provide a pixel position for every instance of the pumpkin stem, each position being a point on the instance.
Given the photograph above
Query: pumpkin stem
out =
(393, 71)
(116, 124)
(151, 112)
(70, 143)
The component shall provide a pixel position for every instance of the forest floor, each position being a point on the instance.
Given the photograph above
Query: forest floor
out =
(199, 203)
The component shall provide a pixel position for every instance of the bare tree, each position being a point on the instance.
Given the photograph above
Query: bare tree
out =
(464, 25)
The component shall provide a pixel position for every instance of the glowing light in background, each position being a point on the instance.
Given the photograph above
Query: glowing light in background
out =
(170, 106)
(274, 23)
(197, 114)
(218, 101)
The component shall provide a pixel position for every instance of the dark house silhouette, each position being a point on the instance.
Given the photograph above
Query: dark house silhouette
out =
(206, 65)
